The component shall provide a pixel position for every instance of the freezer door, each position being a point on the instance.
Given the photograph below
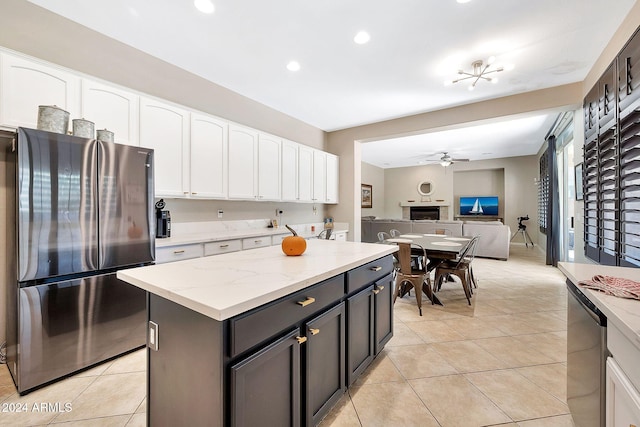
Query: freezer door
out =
(57, 205)
(125, 180)
(67, 326)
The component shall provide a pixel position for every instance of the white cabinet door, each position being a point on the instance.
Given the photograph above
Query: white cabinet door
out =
(289, 171)
(165, 128)
(27, 84)
(269, 171)
(332, 178)
(209, 145)
(319, 176)
(111, 108)
(305, 173)
(243, 158)
(623, 400)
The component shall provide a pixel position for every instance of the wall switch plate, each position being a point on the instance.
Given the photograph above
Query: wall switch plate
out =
(152, 339)
(220, 212)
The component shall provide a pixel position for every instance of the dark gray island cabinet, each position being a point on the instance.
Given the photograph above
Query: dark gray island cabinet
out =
(285, 362)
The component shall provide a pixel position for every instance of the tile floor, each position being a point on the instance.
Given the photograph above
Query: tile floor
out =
(500, 361)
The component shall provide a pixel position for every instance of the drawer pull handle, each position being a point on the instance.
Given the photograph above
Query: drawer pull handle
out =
(376, 291)
(314, 331)
(257, 241)
(301, 340)
(380, 288)
(376, 268)
(194, 193)
(224, 246)
(309, 300)
(178, 252)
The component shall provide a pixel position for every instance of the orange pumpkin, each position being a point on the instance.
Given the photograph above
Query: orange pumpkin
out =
(293, 245)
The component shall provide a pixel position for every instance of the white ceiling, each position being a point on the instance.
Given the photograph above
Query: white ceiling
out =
(415, 46)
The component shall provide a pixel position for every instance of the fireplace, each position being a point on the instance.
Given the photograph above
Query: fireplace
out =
(424, 212)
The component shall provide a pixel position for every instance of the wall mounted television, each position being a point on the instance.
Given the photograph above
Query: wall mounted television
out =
(479, 205)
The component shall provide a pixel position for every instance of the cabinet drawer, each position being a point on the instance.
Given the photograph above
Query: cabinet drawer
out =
(277, 239)
(368, 273)
(625, 352)
(250, 329)
(178, 253)
(215, 248)
(256, 242)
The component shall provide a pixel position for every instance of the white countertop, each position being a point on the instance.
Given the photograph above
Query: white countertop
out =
(205, 237)
(223, 286)
(625, 313)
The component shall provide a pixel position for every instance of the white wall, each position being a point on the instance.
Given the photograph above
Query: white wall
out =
(374, 176)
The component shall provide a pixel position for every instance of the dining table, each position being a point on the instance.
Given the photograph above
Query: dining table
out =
(438, 247)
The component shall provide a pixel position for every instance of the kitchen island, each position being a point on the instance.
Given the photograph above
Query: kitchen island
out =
(259, 338)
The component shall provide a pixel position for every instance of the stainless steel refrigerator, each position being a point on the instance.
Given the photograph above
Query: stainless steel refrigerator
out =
(83, 210)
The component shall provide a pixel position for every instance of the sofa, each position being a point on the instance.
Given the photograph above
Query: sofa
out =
(494, 238)
(494, 235)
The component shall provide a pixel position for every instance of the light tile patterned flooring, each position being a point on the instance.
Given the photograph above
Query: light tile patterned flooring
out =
(500, 361)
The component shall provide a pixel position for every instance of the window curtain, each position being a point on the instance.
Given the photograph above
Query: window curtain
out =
(553, 205)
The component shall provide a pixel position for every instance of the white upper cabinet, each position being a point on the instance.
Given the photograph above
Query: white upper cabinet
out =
(209, 145)
(165, 128)
(289, 171)
(332, 178)
(243, 158)
(305, 173)
(269, 167)
(111, 108)
(28, 84)
(319, 176)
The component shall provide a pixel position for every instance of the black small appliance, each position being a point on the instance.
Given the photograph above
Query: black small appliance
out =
(163, 220)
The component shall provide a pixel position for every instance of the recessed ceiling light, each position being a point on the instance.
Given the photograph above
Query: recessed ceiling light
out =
(204, 6)
(362, 37)
(293, 66)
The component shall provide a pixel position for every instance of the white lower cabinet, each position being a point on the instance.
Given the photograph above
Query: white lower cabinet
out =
(623, 400)
(178, 253)
(277, 239)
(216, 248)
(26, 84)
(256, 242)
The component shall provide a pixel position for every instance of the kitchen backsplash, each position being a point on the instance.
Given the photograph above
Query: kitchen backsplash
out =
(184, 210)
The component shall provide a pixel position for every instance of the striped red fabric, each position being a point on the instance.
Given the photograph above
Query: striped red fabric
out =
(616, 286)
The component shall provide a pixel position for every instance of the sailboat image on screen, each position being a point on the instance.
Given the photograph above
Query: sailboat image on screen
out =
(477, 208)
(479, 205)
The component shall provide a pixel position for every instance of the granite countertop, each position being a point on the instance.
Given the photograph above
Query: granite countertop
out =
(218, 236)
(624, 313)
(223, 286)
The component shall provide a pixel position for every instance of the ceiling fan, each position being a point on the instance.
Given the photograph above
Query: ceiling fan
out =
(446, 159)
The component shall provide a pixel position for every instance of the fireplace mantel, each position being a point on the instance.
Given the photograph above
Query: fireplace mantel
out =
(408, 204)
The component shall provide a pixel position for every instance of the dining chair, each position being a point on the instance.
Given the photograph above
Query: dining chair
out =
(459, 267)
(409, 277)
(395, 233)
(383, 236)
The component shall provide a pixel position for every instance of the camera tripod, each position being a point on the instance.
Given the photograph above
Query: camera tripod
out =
(522, 229)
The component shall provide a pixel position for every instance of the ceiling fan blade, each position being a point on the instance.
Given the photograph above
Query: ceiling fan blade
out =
(459, 160)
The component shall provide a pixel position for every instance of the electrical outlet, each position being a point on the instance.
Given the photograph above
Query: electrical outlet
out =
(220, 213)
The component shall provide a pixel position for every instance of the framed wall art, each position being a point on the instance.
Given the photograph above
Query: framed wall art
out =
(367, 196)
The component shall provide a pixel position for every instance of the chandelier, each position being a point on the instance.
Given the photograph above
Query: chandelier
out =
(480, 71)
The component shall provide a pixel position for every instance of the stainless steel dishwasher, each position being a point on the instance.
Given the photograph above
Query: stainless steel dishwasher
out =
(586, 359)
